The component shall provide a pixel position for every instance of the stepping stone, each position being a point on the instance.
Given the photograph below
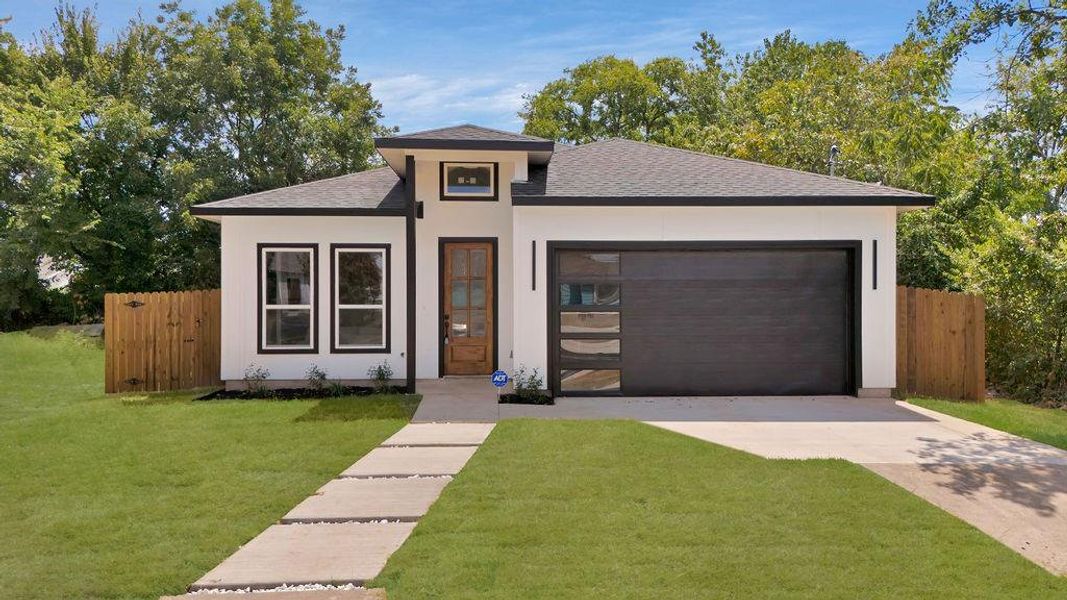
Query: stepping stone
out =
(343, 500)
(440, 434)
(412, 460)
(359, 594)
(327, 554)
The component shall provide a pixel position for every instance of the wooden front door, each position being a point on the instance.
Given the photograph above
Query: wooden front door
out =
(467, 308)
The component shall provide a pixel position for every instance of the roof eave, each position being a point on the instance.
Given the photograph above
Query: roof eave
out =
(423, 144)
(216, 211)
(917, 201)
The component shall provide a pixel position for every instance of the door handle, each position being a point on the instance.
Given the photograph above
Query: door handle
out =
(447, 328)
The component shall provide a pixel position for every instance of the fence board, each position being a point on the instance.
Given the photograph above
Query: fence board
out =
(161, 341)
(940, 344)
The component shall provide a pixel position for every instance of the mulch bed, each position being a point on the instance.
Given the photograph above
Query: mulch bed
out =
(292, 393)
(540, 399)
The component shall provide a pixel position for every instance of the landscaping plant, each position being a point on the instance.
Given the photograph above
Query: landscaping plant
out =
(381, 376)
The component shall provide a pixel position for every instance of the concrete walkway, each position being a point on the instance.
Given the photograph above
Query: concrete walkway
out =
(344, 533)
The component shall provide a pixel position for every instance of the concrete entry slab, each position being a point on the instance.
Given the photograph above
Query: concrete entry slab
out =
(440, 434)
(411, 460)
(340, 500)
(334, 553)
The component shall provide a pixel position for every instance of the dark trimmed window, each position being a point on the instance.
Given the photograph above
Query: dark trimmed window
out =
(287, 298)
(469, 181)
(359, 302)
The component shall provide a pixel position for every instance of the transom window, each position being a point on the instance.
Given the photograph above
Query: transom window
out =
(360, 289)
(468, 181)
(287, 298)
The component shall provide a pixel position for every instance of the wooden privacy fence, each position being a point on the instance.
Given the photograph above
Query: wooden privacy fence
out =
(161, 341)
(940, 344)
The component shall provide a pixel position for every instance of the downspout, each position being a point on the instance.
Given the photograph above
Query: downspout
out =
(409, 253)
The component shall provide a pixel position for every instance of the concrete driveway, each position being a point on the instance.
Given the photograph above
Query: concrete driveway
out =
(1011, 488)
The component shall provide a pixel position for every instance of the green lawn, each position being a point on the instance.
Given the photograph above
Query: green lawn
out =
(616, 509)
(1047, 425)
(107, 497)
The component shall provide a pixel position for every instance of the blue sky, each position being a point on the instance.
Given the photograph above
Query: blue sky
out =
(433, 64)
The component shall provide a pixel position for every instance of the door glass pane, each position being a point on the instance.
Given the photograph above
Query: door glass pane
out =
(588, 263)
(288, 327)
(478, 263)
(359, 277)
(477, 293)
(459, 293)
(588, 350)
(478, 324)
(588, 294)
(589, 380)
(589, 322)
(360, 327)
(459, 262)
(459, 323)
(288, 277)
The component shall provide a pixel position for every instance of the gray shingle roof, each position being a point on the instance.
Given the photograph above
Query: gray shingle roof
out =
(608, 171)
(466, 136)
(377, 191)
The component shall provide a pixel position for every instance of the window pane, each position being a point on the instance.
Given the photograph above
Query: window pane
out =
(459, 263)
(360, 276)
(360, 327)
(588, 263)
(477, 324)
(589, 322)
(477, 293)
(469, 180)
(459, 293)
(589, 294)
(478, 262)
(288, 327)
(588, 350)
(459, 323)
(288, 277)
(589, 380)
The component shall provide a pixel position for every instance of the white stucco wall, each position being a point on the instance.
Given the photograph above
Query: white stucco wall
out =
(240, 235)
(543, 224)
(460, 219)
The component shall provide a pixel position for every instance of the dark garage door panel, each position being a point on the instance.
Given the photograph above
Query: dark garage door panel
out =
(735, 322)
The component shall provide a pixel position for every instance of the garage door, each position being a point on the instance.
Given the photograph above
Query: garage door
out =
(709, 320)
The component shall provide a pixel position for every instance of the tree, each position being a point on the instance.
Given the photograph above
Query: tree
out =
(170, 114)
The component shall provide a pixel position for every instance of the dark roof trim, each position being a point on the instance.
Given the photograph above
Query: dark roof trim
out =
(723, 201)
(425, 144)
(296, 211)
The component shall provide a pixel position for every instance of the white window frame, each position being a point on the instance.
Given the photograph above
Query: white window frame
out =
(264, 346)
(336, 250)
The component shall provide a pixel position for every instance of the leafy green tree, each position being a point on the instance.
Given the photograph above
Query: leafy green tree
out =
(111, 143)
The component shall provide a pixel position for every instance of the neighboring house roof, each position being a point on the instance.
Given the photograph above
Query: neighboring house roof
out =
(377, 191)
(625, 172)
(466, 137)
(611, 172)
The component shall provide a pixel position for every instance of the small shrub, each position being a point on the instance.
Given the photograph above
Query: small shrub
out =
(316, 378)
(256, 380)
(381, 375)
(336, 389)
(528, 384)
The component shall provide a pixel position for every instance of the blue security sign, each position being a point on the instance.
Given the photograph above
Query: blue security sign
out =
(499, 378)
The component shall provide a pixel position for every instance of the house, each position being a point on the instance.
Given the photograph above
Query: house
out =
(614, 268)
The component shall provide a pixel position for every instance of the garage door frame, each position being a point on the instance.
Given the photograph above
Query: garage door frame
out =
(853, 249)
